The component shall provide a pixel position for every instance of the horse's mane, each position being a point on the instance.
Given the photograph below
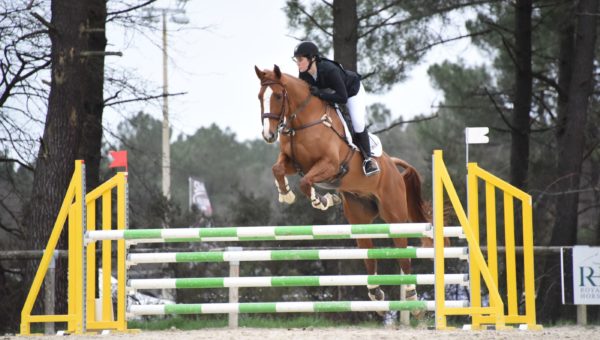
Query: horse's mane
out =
(294, 80)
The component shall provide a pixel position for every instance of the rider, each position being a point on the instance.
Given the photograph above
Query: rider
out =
(330, 82)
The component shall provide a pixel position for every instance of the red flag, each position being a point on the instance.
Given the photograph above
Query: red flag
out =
(119, 159)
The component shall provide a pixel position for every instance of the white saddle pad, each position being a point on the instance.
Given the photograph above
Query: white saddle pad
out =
(376, 147)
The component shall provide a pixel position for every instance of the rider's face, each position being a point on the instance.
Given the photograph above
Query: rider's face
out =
(302, 63)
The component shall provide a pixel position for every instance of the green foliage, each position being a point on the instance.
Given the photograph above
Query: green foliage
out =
(141, 137)
(251, 210)
(379, 116)
(393, 37)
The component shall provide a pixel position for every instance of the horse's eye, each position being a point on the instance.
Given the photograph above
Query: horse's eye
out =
(277, 96)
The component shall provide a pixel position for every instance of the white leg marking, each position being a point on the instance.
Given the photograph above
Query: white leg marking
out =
(289, 197)
(316, 202)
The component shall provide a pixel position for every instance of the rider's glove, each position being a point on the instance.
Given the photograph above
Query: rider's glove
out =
(315, 91)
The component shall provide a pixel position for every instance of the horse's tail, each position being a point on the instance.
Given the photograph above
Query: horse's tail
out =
(418, 210)
(412, 181)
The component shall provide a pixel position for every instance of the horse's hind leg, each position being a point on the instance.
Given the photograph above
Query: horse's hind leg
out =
(363, 211)
(411, 289)
(392, 212)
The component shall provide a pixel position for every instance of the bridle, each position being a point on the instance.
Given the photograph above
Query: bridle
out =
(281, 122)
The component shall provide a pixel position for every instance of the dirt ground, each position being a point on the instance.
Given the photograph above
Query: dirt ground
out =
(566, 332)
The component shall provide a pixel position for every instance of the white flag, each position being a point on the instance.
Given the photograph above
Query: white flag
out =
(477, 135)
(199, 196)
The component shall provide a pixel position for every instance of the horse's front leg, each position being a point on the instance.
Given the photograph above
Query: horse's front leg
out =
(281, 168)
(321, 171)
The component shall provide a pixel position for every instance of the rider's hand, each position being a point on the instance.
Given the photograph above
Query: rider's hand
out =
(314, 91)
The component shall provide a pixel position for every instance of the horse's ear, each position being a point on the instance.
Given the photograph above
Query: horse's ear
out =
(260, 74)
(277, 72)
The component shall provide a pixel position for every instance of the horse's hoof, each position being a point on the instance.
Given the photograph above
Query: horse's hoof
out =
(318, 204)
(376, 294)
(288, 198)
(322, 202)
(411, 295)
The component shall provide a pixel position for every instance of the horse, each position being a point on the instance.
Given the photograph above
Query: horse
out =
(312, 144)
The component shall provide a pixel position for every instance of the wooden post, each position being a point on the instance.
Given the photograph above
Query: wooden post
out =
(234, 271)
(404, 315)
(49, 293)
(581, 315)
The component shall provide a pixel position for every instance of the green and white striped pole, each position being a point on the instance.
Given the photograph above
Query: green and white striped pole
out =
(265, 233)
(294, 255)
(294, 281)
(289, 307)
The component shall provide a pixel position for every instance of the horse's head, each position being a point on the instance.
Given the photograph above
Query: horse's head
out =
(273, 102)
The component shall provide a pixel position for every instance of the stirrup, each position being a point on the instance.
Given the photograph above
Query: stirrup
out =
(373, 164)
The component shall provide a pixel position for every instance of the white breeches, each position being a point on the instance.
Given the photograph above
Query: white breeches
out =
(357, 109)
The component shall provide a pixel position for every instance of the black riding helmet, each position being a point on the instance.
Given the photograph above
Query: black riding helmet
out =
(306, 49)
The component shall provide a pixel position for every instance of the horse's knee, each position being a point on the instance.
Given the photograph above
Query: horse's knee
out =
(278, 169)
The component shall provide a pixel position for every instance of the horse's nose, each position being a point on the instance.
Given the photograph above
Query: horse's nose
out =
(269, 137)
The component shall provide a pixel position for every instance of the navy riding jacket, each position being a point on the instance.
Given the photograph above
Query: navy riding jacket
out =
(336, 84)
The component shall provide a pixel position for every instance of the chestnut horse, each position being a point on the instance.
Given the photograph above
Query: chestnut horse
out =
(312, 144)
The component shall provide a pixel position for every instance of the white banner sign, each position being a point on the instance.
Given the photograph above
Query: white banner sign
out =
(199, 196)
(586, 275)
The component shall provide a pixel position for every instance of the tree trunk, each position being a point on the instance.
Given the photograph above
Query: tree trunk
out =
(570, 141)
(519, 156)
(73, 124)
(519, 152)
(345, 33)
(93, 99)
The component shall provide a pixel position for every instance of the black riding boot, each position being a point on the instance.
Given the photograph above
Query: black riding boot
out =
(370, 166)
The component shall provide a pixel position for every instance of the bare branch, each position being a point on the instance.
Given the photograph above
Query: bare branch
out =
(44, 21)
(314, 21)
(329, 4)
(115, 13)
(379, 10)
(13, 160)
(443, 41)
(551, 82)
(498, 108)
(106, 103)
(375, 27)
(16, 232)
(402, 122)
(412, 18)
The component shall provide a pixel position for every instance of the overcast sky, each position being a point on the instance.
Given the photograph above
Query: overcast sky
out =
(215, 66)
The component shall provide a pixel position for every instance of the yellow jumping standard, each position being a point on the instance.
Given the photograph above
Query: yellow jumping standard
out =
(494, 314)
(81, 311)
